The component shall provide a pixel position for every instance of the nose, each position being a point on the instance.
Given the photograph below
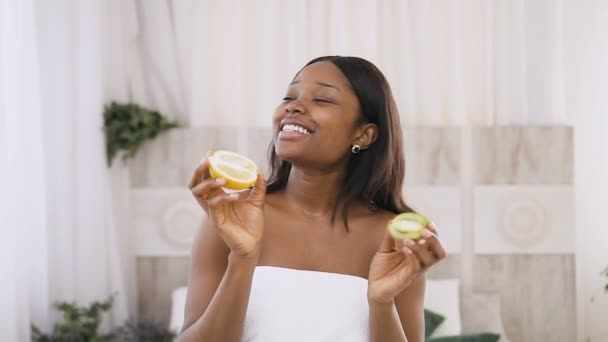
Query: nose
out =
(294, 107)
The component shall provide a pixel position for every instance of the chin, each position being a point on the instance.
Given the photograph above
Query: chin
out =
(289, 153)
(293, 152)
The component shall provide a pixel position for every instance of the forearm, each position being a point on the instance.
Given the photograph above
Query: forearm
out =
(224, 318)
(384, 323)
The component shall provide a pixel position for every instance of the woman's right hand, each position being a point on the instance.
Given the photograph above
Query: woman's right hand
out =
(238, 220)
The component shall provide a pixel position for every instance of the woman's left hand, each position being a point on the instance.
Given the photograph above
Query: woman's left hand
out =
(393, 269)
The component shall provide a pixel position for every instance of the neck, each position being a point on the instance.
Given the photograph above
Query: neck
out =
(315, 192)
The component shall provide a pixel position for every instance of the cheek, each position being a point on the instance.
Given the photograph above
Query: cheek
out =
(337, 134)
(278, 115)
(338, 125)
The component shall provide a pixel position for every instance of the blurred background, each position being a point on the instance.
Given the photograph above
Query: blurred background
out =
(503, 107)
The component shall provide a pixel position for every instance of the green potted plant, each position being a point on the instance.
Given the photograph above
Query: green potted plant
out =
(80, 323)
(127, 126)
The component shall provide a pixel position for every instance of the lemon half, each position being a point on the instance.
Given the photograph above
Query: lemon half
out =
(239, 172)
(407, 225)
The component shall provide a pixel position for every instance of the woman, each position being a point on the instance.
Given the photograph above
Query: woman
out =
(308, 258)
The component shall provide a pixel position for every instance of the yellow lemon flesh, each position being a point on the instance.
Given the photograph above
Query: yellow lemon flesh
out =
(239, 172)
(407, 225)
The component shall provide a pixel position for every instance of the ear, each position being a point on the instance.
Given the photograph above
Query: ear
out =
(366, 135)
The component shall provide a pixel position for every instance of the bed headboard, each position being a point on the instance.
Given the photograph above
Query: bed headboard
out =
(470, 185)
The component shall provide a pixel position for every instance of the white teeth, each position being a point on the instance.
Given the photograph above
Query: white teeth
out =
(295, 128)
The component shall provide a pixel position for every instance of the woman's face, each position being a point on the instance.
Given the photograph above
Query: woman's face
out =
(317, 120)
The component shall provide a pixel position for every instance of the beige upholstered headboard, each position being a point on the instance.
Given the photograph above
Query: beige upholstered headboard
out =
(469, 185)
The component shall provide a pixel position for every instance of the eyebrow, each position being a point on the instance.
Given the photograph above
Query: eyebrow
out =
(321, 84)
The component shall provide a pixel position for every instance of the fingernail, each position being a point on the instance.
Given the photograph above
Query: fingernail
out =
(409, 242)
(234, 196)
(426, 233)
(421, 242)
(220, 181)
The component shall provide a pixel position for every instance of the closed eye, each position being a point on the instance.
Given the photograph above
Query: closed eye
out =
(322, 100)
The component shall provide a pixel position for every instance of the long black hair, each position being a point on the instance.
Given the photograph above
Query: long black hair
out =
(374, 175)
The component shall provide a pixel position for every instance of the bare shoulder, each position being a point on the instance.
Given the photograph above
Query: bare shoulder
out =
(376, 221)
(383, 216)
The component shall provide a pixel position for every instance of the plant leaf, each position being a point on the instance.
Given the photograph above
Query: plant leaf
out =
(128, 126)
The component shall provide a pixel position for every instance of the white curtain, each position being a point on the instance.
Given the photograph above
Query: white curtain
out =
(58, 240)
(149, 54)
(586, 29)
(23, 247)
(449, 62)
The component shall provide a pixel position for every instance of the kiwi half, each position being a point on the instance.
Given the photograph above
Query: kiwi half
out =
(407, 225)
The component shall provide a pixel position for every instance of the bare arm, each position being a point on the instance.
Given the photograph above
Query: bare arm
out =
(410, 306)
(218, 290)
(224, 256)
(397, 284)
(402, 319)
(384, 323)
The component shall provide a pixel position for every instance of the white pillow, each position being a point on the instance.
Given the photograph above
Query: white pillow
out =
(481, 313)
(178, 307)
(443, 297)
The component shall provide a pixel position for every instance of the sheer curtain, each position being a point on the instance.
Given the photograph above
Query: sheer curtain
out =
(587, 81)
(23, 247)
(449, 62)
(58, 240)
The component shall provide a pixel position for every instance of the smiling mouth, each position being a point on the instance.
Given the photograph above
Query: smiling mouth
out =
(291, 128)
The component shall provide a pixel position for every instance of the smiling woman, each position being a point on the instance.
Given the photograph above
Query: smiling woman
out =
(347, 106)
(336, 153)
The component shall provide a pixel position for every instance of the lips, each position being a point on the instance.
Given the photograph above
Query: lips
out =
(296, 126)
(290, 135)
(296, 129)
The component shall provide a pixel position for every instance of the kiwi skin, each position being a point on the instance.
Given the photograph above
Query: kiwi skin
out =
(412, 234)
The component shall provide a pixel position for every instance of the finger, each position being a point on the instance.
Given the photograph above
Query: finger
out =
(218, 201)
(207, 186)
(407, 270)
(201, 172)
(219, 209)
(416, 262)
(433, 228)
(208, 189)
(259, 188)
(434, 244)
(411, 259)
(424, 254)
(407, 242)
(387, 244)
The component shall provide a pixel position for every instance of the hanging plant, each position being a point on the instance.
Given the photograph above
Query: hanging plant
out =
(128, 126)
